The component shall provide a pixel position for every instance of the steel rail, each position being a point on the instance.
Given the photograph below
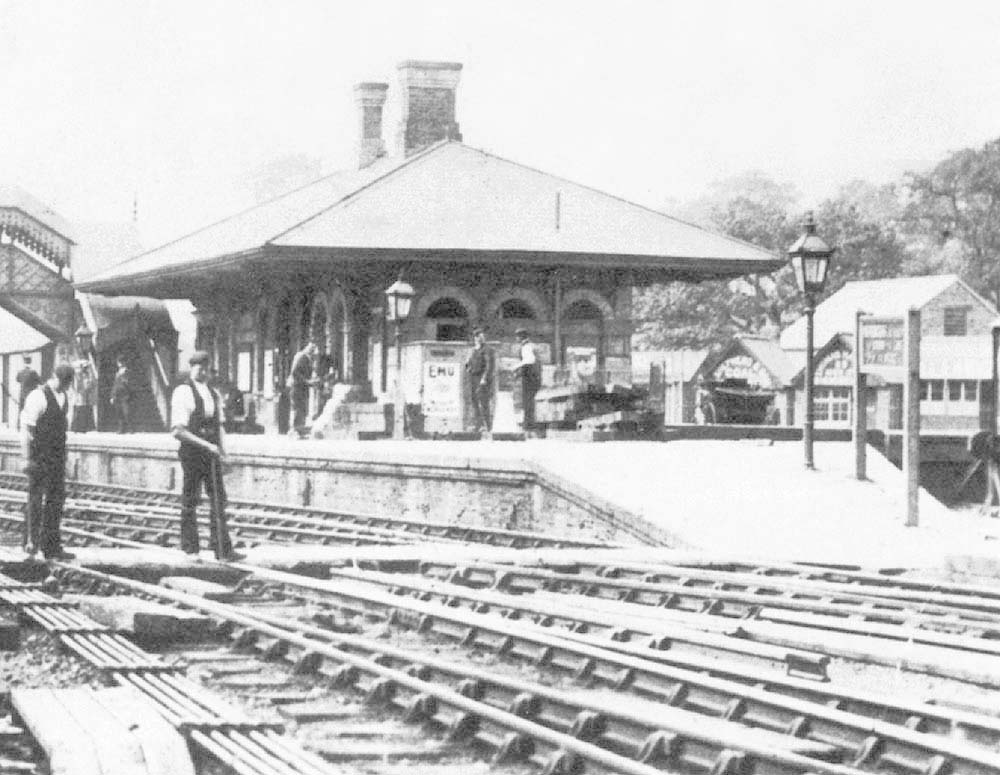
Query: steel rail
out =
(624, 620)
(876, 745)
(619, 625)
(855, 580)
(758, 704)
(178, 700)
(388, 683)
(167, 524)
(492, 536)
(685, 680)
(696, 743)
(719, 599)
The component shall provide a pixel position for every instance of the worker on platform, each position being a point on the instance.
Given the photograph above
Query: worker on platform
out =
(530, 371)
(299, 381)
(481, 368)
(121, 395)
(43, 444)
(196, 410)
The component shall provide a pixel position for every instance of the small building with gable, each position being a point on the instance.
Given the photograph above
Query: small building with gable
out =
(760, 380)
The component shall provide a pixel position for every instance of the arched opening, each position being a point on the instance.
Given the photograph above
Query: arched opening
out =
(583, 340)
(451, 318)
(515, 309)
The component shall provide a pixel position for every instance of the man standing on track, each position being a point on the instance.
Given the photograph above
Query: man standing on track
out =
(43, 444)
(196, 411)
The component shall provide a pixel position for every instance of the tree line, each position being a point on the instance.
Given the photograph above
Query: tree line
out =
(946, 220)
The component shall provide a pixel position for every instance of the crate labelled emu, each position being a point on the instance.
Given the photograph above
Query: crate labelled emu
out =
(144, 619)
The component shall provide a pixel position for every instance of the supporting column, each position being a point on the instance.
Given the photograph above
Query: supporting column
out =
(911, 417)
(807, 420)
(860, 407)
(557, 321)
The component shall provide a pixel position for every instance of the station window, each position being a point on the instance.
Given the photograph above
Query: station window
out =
(962, 390)
(956, 321)
(832, 404)
(516, 309)
(932, 390)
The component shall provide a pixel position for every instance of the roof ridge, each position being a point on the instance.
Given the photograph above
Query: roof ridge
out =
(406, 162)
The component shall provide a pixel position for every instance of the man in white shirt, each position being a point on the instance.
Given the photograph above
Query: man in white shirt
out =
(43, 444)
(531, 378)
(196, 411)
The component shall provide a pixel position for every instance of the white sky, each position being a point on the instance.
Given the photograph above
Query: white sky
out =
(652, 100)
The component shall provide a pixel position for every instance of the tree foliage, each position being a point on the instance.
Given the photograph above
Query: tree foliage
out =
(861, 222)
(953, 217)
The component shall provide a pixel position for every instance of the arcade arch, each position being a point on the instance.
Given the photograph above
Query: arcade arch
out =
(447, 312)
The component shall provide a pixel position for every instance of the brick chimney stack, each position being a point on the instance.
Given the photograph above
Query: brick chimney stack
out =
(370, 98)
(428, 104)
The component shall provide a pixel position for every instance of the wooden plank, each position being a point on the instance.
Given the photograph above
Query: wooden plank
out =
(118, 752)
(164, 749)
(66, 744)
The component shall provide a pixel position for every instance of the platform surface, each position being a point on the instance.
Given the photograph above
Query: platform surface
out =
(749, 498)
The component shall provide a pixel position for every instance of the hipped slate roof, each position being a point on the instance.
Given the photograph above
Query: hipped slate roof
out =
(876, 297)
(451, 197)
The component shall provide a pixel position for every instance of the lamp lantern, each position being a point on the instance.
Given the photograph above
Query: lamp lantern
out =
(398, 297)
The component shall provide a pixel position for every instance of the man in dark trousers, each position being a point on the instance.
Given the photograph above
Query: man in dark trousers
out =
(43, 444)
(121, 396)
(28, 379)
(481, 368)
(299, 380)
(196, 412)
(530, 371)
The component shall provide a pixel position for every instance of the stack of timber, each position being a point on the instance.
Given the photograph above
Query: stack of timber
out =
(592, 412)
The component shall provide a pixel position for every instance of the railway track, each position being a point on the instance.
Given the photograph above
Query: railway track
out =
(853, 722)
(589, 632)
(157, 511)
(658, 735)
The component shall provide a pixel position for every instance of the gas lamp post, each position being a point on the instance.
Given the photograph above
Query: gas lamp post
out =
(810, 257)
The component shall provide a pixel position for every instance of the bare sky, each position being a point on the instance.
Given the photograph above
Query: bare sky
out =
(653, 100)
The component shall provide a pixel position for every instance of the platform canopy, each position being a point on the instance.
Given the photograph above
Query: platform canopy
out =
(450, 203)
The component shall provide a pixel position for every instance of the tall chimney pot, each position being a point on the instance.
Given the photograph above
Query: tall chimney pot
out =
(428, 104)
(370, 97)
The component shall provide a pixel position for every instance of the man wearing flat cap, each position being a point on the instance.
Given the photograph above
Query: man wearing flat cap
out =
(43, 444)
(196, 413)
(481, 367)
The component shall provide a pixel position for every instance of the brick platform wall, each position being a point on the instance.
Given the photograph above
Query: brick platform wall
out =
(485, 492)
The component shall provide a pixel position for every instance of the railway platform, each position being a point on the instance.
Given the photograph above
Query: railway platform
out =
(748, 498)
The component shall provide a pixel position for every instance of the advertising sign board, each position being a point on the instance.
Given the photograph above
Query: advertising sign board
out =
(882, 347)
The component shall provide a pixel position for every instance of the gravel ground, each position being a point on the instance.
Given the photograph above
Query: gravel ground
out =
(40, 663)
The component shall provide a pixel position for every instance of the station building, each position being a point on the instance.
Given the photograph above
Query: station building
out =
(760, 380)
(482, 240)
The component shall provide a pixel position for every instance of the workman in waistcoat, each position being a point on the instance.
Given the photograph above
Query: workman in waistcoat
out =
(43, 444)
(196, 412)
(481, 368)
